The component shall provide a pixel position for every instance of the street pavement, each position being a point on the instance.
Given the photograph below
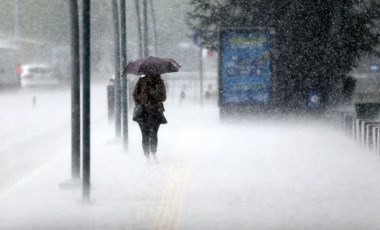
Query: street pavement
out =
(287, 173)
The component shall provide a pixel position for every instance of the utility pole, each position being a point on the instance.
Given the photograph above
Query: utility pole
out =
(75, 90)
(86, 99)
(16, 20)
(139, 31)
(146, 35)
(115, 14)
(123, 63)
(154, 25)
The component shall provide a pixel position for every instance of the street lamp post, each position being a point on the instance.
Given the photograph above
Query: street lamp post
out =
(123, 63)
(115, 17)
(75, 90)
(86, 100)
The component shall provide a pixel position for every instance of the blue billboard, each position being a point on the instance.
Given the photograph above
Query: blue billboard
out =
(245, 66)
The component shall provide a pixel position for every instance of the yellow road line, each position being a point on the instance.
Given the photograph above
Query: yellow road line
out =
(170, 206)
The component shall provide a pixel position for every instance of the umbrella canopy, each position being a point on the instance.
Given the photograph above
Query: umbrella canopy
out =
(151, 65)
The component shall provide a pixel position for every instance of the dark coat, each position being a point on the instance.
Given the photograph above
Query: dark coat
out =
(150, 91)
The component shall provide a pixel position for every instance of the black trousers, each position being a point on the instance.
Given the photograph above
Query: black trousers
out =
(149, 137)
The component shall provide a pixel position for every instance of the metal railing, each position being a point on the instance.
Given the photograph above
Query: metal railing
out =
(364, 131)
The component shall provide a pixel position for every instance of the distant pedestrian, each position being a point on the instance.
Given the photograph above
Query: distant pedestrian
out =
(183, 95)
(150, 93)
(209, 92)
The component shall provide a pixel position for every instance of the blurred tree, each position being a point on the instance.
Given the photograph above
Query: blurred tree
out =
(48, 20)
(318, 41)
(46, 23)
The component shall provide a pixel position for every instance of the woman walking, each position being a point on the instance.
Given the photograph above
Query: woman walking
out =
(149, 94)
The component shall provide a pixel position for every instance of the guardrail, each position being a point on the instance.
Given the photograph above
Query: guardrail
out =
(364, 131)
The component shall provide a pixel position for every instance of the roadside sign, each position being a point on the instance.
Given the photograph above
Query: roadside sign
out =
(374, 68)
(245, 66)
(314, 100)
(197, 39)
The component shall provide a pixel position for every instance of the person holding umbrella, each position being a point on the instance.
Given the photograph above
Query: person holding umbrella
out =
(149, 95)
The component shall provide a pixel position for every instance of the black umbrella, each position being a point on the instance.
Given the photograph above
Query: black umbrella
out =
(151, 65)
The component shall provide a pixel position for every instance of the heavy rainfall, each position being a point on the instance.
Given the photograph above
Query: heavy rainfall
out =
(257, 114)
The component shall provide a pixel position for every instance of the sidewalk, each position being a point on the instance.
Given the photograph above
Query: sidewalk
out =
(210, 175)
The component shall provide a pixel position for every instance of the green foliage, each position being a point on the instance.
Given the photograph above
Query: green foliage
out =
(318, 42)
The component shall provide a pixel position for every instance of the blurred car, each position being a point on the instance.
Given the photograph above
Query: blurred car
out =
(39, 75)
(9, 75)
